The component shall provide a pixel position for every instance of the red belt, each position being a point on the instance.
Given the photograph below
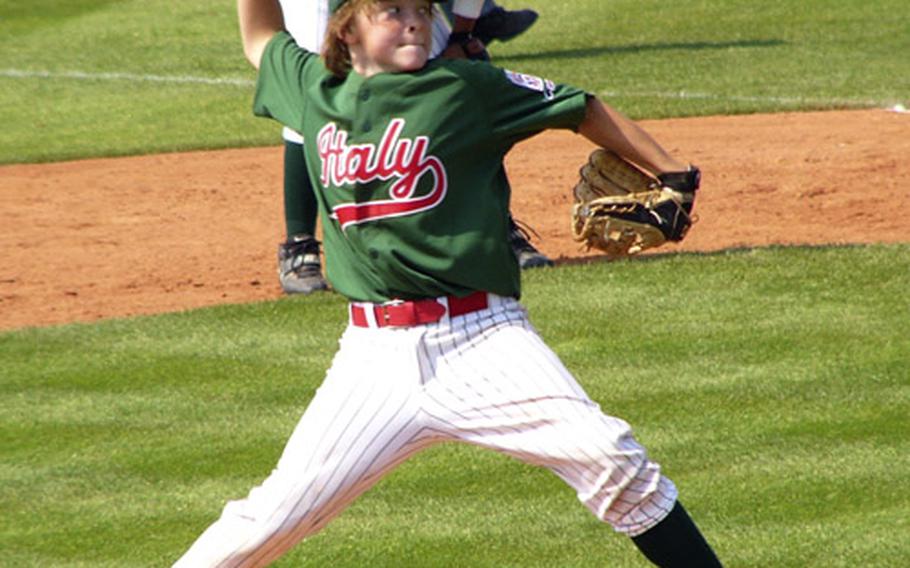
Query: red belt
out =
(415, 312)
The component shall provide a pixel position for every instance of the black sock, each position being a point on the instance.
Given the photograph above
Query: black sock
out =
(300, 207)
(676, 542)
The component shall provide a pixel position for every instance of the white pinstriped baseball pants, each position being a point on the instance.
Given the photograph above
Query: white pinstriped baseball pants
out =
(485, 378)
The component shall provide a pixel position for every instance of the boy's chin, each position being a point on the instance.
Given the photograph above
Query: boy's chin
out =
(412, 58)
(411, 64)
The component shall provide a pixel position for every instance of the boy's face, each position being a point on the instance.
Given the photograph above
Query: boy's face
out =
(392, 36)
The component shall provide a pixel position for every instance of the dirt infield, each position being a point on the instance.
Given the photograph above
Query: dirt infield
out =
(94, 239)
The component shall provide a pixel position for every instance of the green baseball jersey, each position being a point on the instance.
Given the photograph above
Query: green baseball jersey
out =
(408, 167)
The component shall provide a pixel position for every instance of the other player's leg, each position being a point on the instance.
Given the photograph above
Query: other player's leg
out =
(299, 265)
(528, 256)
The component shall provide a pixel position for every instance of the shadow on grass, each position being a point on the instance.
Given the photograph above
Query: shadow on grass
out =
(659, 256)
(639, 48)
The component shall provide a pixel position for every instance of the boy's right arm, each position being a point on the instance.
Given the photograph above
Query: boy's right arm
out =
(259, 21)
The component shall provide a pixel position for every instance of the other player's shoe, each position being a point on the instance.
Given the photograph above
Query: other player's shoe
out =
(528, 256)
(503, 24)
(299, 268)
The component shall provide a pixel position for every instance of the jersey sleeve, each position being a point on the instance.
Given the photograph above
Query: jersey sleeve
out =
(284, 73)
(520, 105)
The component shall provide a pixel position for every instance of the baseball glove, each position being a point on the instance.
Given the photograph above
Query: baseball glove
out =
(622, 210)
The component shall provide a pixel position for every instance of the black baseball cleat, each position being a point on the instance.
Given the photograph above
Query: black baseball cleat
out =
(527, 255)
(503, 25)
(299, 268)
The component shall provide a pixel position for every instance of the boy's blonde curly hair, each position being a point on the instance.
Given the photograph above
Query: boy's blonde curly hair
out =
(335, 51)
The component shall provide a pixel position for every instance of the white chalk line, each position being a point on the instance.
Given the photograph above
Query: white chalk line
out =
(221, 81)
(85, 76)
(685, 95)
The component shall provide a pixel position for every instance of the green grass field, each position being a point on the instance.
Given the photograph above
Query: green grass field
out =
(771, 383)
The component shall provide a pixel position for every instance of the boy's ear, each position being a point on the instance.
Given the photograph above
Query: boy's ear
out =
(349, 34)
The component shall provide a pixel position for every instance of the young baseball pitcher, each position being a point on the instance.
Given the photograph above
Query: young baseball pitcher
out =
(406, 156)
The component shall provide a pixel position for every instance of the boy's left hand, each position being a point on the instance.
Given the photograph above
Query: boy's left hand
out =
(465, 46)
